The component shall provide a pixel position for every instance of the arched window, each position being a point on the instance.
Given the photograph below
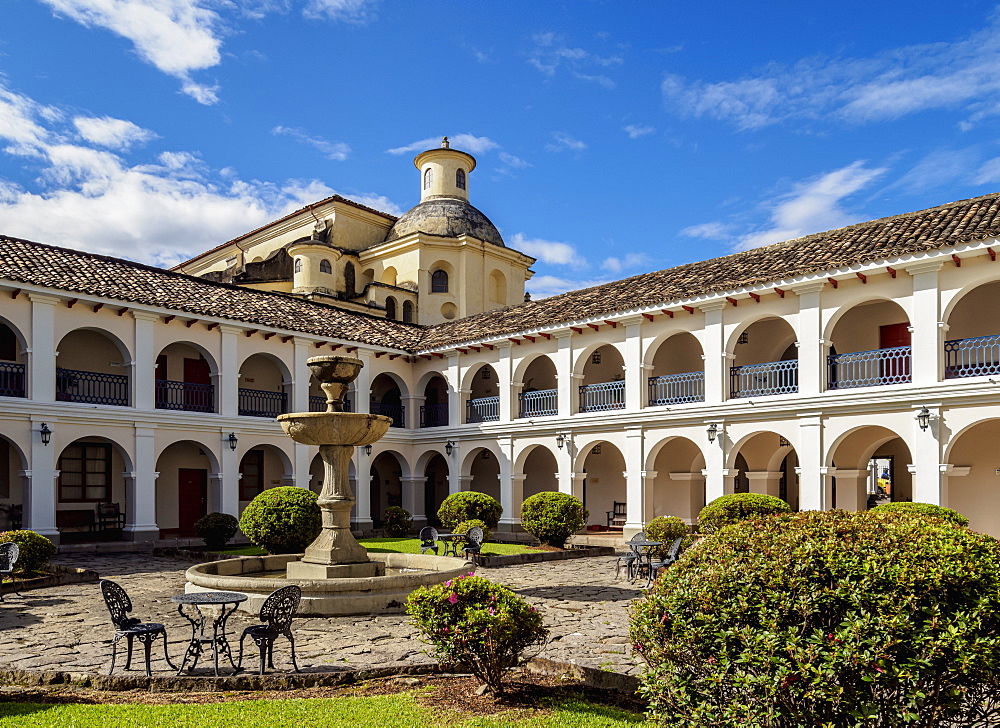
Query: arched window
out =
(390, 308)
(349, 283)
(325, 267)
(460, 179)
(407, 312)
(428, 178)
(298, 265)
(439, 281)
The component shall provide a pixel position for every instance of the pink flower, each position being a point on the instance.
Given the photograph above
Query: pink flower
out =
(453, 599)
(448, 583)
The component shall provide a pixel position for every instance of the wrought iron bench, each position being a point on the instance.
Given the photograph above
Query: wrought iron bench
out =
(110, 517)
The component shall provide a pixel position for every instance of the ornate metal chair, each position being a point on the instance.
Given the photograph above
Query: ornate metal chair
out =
(131, 628)
(653, 566)
(473, 541)
(428, 540)
(631, 559)
(276, 614)
(8, 557)
(110, 517)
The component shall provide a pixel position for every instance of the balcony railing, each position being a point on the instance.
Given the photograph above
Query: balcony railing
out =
(540, 403)
(73, 385)
(869, 368)
(11, 379)
(602, 397)
(484, 409)
(261, 403)
(185, 396)
(395, 411)
(434, 415)
(756, 380)
(677, 389)
(972, 357)
(318, 404)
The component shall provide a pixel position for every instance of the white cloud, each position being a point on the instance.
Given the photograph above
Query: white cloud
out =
(940, 167)
(627, 262)
(337, 151)
(988, 173)
(562, 142)
(812, 206)
(176, 36)
(709, 231)
(111, 133)
(19, 122)
(464, 142)
(550, 54)
(513, 162)
(635, 131)
(545, 286)
(347, 11)
(957, 75)
(548, 251)
(377, 202)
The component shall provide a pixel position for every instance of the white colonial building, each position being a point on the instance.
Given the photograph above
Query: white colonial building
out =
(833, 371)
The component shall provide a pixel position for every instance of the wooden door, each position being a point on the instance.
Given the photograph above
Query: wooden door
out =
(192, 497)
(891, 336)
(196, 371)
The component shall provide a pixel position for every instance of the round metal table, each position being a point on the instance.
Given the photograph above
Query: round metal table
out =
(450, 541)
(199, 640)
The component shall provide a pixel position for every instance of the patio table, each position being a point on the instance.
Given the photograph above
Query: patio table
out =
(199, 640)
(450, 542)
(645, 550)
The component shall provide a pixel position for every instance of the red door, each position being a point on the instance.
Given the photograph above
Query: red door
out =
(192, 495)
(196, 371)
(896, 368)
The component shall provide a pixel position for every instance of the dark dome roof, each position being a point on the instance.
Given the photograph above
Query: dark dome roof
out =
(447, 217)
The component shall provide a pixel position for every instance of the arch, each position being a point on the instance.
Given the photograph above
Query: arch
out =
(259, 472)
(482, 467)
(653, 452)
(386, 474)
(982, 277)
(861, 301)
(657, 344)
(427, 376)
(93, 469)
(439, 281)
(527, 365)
(122, 348)
(477, 452)
(498, 288)
(388, 276)
(460, 178)
(350, 282)
(585, 355)
(756, 462)
(276, 361)
(540, 468)
(678, 487)
(325, 267)
(974, 313)
(974, 493)
(12, 464)
(396, 380)
(185, 486)
(12, 341)
(390, 308)
(407, 312)
(766, 462)
(428, 177)
(424, 459)
(854, 454)
(92, 365)
(481, 381)
(436, 472)
(605, 482)
(775, 335)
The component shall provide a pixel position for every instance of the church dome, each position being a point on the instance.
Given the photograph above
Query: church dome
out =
(447, 217)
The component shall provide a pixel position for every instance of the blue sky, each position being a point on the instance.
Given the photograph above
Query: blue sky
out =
(613, 138)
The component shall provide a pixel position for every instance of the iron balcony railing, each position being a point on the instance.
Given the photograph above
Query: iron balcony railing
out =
(869, 368)
(434, 415)
(73, 385)
(677, 389)
(185, 396)
(601, 397)
(318, 404)
(261, 403)
(755, 380)
(484, 409)
(395, 411)
(11, 379)
(972, 357)
(540, 403)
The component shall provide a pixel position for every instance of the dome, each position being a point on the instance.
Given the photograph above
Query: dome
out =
(447, 217)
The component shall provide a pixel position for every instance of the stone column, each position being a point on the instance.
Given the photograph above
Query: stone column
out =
(764, 482)
(144, 361)
(635, 493)
(635, 386)
(812, 349)
(42, 355)
(140, 487)
(362, 490)
(505, 385)
(566, 396)
(578, 479)
(40, 495)
(512, 519)
(229, 493)
(949, 471)
(648, 484)
(227, 382)
(564, 465)
(696, 503)
(456, 399)
(412, 415)
(926, 455)
(301, 460)
(926, 325)
(716, 361)
(413, 499)
(813, 491)
(301, 375)
(851, 492)
(509, 517)
(464, 482)
(715, 465)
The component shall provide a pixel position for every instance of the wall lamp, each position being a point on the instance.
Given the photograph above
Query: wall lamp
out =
(368, 449)
(924, 418)
(233, 441)
(782, 442)
(560, 439)
(449, 447)
(46, 434)
(713, 431)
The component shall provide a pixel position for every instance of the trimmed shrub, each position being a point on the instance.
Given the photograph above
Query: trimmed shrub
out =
(825, 618)
(469, 505)
(216, 529)
(477, 625)
(924, 509)
(464, 526)
(35, 549)
(553, 517)
(737, 507)
(666, 529)
(282, 520)
(397, 521)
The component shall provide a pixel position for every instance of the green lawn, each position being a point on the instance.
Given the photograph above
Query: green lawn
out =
(395, 545)
(384, 711)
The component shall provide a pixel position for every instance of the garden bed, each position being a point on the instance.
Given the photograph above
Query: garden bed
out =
(56, 576)
(490, 561)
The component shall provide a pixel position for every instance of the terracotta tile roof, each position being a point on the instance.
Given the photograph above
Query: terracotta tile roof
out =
(889, 237)
(244, 236)
(123, 280)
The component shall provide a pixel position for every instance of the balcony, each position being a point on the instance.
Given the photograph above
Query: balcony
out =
(484, 409)
(602, 397)
(185, 396)
(73, 385)
(757, 380)
(261, 403)
(677, 389)
(869, 368)
(318, 404)
(975, 357)
(434, 415)
(540, 403)
(11, 379)
(395, 411)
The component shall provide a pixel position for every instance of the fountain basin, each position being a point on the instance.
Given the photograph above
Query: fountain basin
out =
(327, 597)
(345, 429)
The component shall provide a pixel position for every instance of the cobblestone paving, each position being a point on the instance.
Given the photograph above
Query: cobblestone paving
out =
(68, 628)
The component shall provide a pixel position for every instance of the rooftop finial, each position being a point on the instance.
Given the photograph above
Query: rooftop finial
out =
(445, 144)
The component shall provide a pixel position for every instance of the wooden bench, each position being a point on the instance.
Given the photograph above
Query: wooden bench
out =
(77, 519)
(616, 516)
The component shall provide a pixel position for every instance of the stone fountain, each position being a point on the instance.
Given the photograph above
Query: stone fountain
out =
(337, 575)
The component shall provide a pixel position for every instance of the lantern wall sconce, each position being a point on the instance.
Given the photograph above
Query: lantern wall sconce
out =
(924, 418)
(782, 442)
(368, 449)
(46, 434)
(449, 447)
(595, 450)
(744, 338)
(713, 431)
(233, 441)
(560, 439)
(595, 358)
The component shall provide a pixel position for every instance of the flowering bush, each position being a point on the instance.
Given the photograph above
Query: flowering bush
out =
(736, 507)
(398, 521)
(464, 526)
(826, 619)
(553, 517)
(35, 549)
(216, 529)
(924, 509)
(467, 505)
(477, 625)
(282, 520)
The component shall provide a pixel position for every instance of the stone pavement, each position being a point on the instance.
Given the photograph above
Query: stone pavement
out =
(68, 628)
